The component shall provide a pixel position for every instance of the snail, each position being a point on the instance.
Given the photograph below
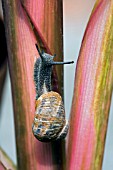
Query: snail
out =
(49, 122)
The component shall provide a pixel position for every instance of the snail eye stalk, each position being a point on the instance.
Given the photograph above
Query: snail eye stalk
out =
(40, 53)
(61, 63)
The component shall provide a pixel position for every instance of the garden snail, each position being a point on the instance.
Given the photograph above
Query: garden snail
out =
(49, 122)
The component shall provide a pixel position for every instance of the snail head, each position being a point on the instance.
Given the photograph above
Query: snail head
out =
(48, 59)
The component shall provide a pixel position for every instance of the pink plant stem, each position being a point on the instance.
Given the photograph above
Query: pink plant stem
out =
(22, 53)
(92, 92)
(5, 162)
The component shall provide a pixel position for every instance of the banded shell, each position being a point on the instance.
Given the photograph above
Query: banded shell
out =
(49, 117)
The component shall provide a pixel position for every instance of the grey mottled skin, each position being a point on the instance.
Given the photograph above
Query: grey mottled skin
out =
(42, 75)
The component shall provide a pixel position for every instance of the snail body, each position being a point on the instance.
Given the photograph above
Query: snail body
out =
(49, 121)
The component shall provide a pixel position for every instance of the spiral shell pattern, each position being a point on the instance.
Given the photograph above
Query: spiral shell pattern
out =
(49, 117)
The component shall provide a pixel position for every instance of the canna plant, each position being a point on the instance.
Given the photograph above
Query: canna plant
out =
(5, 162)
(21, 34)
(92, 91)
(29, 22)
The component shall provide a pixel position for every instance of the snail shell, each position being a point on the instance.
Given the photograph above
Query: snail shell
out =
(49, 117)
